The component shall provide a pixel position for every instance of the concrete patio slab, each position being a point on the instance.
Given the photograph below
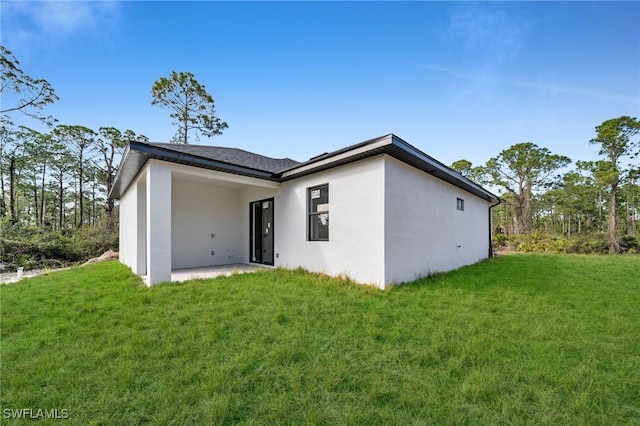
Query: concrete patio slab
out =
(180, 275)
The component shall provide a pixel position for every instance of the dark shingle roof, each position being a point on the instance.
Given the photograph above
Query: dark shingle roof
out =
(244, 163)
(234, 156)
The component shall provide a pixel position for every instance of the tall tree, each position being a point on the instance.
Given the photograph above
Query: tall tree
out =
(80, 140)
(7, 138)
(597, 176)
(572, 199)
(615, 139)
(503, 216)
(110, 144)
(22, 93)
(631, 191)
(13, 161)
(61, 166)
(37, 150)
(464, 167)
(192, 106)
(521, 170)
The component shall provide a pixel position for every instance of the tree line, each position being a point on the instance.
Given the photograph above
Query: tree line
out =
(59, 180)
(599, 199)
(54, 183)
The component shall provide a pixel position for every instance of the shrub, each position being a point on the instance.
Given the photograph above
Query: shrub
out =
(539, 242)
(500, 240)
(629, 244)
(31, 247)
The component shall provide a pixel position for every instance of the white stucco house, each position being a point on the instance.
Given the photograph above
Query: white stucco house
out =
(380, 212)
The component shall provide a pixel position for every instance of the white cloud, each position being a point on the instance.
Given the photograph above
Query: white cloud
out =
(490, 38)
(70, 16)
(483, 77)
(559, 88)
(487, 30)
(25, 23)
(478, 77)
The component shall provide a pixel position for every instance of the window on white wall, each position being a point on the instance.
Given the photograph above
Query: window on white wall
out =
(318, 206)
(460, 204)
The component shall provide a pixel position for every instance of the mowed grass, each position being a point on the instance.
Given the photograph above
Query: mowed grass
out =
(522, 339)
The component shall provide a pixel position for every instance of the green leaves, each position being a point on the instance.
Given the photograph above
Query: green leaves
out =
(527, 164)
(520, 170)
(192, 107)
(615, 139)
(26, 94)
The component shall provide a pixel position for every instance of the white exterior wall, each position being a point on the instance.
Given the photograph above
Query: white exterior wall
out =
(141, 267)
(199, 210)
(128, 227)
(158, 187)
(424, 232)
(389, 222)
(356, 216)
(133, 222)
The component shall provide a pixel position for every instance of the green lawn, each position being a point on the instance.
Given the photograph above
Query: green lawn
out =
(522, 339)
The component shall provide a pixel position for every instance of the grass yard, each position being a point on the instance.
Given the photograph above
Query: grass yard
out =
(522, 339)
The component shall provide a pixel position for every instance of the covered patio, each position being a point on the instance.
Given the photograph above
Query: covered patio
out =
(204, 272)
(188, 223)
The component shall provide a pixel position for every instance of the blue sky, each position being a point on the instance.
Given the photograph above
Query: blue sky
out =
(455, 79)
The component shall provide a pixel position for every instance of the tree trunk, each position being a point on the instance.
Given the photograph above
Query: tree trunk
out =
(600, 209)
(75, 205)
(614, 245)
(523, 213)
(630, 225)
(185, 141)
(42, 196)
(3, 202)
(12, 189)
(61, 201)
(80, 194)
(54, 216)
(110, 204)
(634, 216)
(93, 203)
(185, 118)
(36, 203)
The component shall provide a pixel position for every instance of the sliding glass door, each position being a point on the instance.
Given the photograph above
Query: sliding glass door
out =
(261, 231)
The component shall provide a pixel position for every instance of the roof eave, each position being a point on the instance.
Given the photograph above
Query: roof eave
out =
(138, 153)
(338, 158)
(114, 191)
(409, 154)
(396, 148)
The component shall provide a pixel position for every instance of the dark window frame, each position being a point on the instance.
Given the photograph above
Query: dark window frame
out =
(313, 214)
(252, 232)
(460, 204)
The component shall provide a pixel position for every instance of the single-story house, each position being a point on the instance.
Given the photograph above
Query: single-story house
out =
(379, 212)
